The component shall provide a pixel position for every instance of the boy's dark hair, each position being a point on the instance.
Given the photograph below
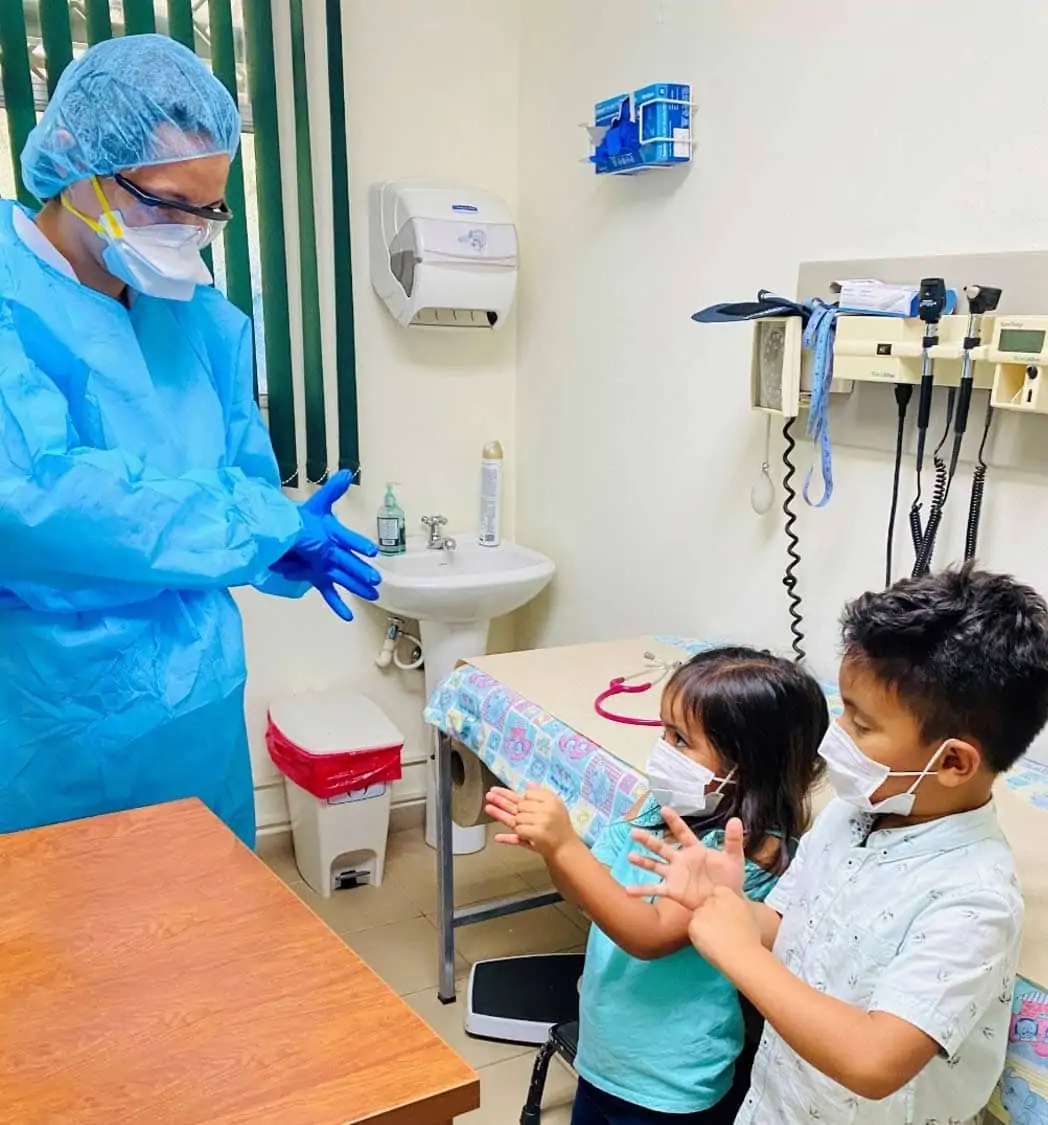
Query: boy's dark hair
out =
(765, 716)
(966, 651)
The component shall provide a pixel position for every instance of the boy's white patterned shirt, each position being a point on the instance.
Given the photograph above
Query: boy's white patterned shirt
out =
(923, 922)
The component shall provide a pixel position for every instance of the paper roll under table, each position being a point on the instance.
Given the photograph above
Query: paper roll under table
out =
(470, 781)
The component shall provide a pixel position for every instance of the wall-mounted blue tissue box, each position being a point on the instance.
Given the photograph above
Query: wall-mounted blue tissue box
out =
(650, 128)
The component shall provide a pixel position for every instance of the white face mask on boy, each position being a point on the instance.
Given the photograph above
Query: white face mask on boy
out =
(675, 780)
(855, 777)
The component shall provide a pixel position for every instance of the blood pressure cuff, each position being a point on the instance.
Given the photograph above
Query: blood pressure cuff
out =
(767, 304)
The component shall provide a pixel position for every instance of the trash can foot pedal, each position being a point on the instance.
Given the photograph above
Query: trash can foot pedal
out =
(347, 880)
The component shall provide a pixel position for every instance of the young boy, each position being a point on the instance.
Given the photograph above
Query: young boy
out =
(896, 929)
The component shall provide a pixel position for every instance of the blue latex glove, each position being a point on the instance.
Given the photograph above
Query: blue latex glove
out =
(326, 554)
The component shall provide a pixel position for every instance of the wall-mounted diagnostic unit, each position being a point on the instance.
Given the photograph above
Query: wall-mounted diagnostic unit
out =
(914, 337)
(1019, 352)
(885, 349)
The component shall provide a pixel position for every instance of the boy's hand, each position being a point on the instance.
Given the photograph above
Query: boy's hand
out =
(724, 929)
(537, 818)
(691, 872)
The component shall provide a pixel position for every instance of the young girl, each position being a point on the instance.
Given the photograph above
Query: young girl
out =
(660, 1028)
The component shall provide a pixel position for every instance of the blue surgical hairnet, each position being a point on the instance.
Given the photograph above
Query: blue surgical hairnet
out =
(127, 103)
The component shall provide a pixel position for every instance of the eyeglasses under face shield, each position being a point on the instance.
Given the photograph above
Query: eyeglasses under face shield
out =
(151, 209)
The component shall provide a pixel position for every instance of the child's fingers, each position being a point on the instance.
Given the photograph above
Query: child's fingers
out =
(501, 815)
(529, 833)
(539, 795)
(652, 843)
(496, 798)
(733, 839)
(539, 799)
(532, 818)
(648, 890)
(683, 834)
(531, 808)
(647, 863)
(504, 797)
(510, 838)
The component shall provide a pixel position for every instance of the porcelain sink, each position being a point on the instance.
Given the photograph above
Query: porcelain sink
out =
(454, 595)
(467, 585)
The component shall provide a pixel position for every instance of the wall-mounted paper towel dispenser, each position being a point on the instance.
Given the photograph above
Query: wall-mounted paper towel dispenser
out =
(442, 256)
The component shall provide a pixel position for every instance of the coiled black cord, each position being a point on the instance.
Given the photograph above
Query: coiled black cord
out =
(789, 578)
(940, 492)
(924, 558)
(916, 531)
(971, 538)
(903, 394)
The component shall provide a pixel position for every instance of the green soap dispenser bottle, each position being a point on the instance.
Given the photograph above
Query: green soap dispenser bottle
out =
(392, 526)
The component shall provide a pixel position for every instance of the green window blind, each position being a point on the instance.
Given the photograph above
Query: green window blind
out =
(39, 38)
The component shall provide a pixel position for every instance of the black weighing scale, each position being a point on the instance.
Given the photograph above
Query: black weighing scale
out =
(519, 999)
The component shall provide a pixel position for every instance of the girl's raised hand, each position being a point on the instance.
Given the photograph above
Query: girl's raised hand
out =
(503, 805)
(542, 821)
(689, 873)
(536, 818)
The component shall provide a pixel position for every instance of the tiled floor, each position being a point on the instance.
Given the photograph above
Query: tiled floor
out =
(392, 928)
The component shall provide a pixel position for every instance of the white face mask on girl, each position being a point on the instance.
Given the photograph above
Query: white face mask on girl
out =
(855, 777)
(675, 780)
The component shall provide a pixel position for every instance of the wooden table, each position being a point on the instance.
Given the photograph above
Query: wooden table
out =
(154, 972)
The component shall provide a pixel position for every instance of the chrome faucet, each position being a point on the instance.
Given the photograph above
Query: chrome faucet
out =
(438, 541)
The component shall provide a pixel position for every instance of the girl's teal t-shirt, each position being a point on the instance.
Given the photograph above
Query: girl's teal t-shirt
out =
(661, 1034)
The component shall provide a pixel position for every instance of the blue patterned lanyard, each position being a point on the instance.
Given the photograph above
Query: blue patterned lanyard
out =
(818, 339)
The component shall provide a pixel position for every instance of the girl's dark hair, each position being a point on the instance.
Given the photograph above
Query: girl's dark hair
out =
(765, 717)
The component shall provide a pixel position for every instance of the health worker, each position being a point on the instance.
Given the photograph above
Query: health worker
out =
(137, 479)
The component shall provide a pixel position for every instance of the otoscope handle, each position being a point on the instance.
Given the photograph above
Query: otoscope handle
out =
(924, 404)
(964, 398)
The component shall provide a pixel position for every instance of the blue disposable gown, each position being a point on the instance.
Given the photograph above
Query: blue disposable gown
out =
(137, 484)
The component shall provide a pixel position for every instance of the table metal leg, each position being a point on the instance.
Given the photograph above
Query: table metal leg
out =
(445, 870)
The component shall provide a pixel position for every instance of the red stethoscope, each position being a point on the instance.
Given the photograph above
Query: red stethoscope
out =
(657, 671)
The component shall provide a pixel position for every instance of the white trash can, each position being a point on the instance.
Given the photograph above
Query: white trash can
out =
(339, 754)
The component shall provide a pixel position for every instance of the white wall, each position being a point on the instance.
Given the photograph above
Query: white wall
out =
(630, 445)
(432, 93)
(865, 130)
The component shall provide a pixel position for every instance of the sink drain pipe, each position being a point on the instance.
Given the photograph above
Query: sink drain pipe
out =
(390, 652)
